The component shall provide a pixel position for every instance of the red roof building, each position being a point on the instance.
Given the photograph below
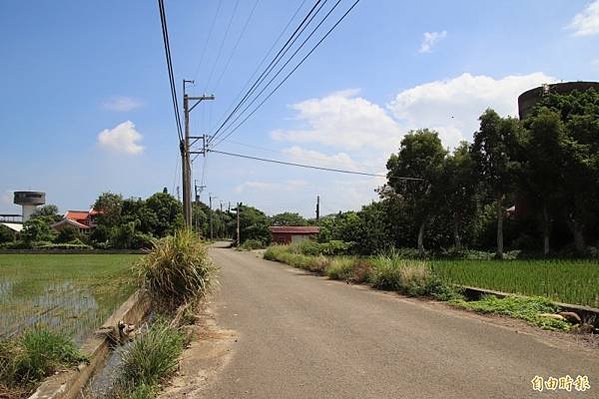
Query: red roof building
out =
(293, 234)
(81, 220)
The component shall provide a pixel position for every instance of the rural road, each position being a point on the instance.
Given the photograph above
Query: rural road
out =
(301, 336)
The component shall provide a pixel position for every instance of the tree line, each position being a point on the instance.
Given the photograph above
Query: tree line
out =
(530, 184)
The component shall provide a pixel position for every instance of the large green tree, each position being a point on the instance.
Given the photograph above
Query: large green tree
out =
(543, 166)
(288, 219)
(579, 112)
(420, 157)
(458, 187)
(495, 151)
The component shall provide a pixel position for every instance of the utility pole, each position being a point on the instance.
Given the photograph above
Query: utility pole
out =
(210, 213)
(178, 194)
(185, 147)
(317, 208)
(238, 210)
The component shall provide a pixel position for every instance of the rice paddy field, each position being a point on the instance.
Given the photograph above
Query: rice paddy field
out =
(69, 293)
(569, 281)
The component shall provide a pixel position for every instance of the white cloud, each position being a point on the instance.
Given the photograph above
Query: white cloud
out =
(340, 160)
(122, 138)
(453, 106)
(342, 120)
(586, 22)
(289, 185)
(429, 39)
(122, 104)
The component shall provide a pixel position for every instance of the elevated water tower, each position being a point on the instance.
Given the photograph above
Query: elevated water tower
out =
(29, 200)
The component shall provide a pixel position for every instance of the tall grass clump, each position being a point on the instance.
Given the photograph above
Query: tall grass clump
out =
(341, 268)
(152, 358)
(177, 269)
(411, 277)
(34, 355)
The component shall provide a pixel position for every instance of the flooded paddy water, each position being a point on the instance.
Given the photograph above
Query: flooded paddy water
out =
(68, 293)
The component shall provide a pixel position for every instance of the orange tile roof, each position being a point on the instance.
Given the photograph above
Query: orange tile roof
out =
(76, 215)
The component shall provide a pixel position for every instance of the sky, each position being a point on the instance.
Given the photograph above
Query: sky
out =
(86, 104)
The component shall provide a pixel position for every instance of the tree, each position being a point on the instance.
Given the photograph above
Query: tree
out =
(110, 206)
(495, 154)
(6, 234)
(36, 229)
(253, 225)
(543, 165)
(67, 234)
(48, 212)
(288, 219)
(458, 187)
(580, 149)
(420, 156)
(168, 214)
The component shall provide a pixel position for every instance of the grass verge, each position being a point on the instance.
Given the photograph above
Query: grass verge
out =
(525, 308)
(418, 278)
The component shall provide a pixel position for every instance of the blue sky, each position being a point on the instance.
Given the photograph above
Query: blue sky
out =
(86, 106)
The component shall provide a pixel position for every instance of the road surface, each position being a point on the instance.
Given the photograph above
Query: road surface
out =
(302, 336)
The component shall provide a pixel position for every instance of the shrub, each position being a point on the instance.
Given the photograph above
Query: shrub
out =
(152, 357)
(249, 245)
(341, 268)
(274, 252)
(35, 354)
(318, 264)
(177, 269)
(410, 277)
(361, 271)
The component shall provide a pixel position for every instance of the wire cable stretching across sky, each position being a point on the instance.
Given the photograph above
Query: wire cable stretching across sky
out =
(271, 65)
(307, 166)
(288, 75)
(169, 66)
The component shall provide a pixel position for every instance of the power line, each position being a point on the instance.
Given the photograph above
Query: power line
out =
(263, 59)
(271, 65)
(197, 70)
(307, 166)
(222, 43)
(169, 65)
(241, 35)
(289, 74)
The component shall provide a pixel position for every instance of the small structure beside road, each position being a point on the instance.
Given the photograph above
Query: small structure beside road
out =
(293, 234)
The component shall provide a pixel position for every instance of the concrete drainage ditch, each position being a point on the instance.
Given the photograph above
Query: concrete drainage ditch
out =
(101, 351)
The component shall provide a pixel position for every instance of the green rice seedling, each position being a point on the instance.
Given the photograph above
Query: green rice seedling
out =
(569, 281)
(341, 268)
(177, 269)
(525, 308)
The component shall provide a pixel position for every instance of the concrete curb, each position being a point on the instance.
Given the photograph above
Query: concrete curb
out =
(585, 312)
(69, 384)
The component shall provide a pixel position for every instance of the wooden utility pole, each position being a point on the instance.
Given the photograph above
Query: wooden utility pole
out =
(238, 210)
(317, 207)
(185, 147)
(210, 214)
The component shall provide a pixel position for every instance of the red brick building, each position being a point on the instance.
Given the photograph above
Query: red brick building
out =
(293, 234)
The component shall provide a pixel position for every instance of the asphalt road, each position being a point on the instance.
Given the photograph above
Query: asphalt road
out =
(302, 336)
